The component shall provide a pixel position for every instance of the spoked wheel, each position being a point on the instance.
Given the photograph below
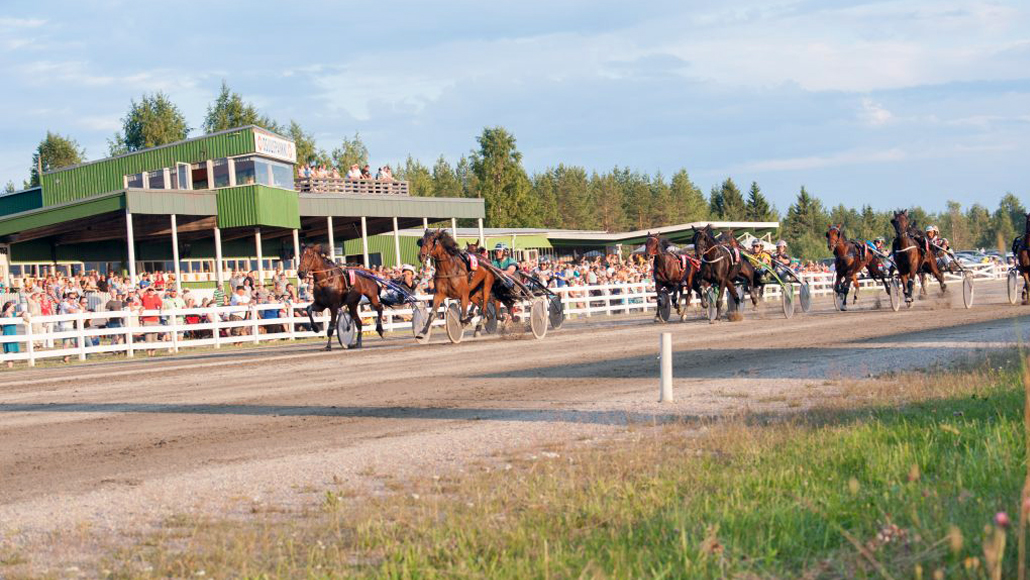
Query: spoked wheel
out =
(788, 301)
(806, 298)
(713, 306)
(556, 312)
(419, 314)
(664, 306)
(490, 324)
(346, 330)
(1013, 285)
(538, 318)
(455, 329)
(967, 289)
(838, 299)
(895, 294)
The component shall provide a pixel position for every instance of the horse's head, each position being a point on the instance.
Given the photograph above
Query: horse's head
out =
(703, 240)
(833, 236)
(652, 245)
(472, 247)
(900, 222)
(426, 244)
(311, 259)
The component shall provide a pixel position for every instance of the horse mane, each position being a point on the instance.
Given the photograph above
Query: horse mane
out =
(448, 242)
(664, 243)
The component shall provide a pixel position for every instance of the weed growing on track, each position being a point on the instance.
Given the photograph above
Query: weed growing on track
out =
(908, 485)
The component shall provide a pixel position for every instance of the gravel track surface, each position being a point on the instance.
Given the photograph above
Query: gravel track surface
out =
(102, 450)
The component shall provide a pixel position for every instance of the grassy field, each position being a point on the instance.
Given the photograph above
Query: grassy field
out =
(902, 477)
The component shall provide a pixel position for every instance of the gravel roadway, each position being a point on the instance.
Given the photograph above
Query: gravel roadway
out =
(102, 450)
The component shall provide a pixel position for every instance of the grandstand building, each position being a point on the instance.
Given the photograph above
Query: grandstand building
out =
(201, 208)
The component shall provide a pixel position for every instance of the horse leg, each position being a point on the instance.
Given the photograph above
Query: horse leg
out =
(379, 314)
(352, 306)
(437, 299)
(311, 317)
(1026, 286)
(332, 326)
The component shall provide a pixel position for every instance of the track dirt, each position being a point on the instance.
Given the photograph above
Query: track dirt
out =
(116, 447)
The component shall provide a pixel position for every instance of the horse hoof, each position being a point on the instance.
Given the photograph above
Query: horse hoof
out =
(328, 348)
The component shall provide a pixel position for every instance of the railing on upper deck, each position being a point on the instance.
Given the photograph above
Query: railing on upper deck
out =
(354, 186)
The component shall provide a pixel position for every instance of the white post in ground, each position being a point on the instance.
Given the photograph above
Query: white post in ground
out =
(260, 258)
(396, 244)
(296, 251)
(454, 228)
(332, 242)
(482, 236)
(665, 358)
(364, 241)
(175, 255)
(219, 277)
(425, 223)
(130, 239)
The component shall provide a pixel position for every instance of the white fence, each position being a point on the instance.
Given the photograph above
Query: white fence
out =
(130, 332)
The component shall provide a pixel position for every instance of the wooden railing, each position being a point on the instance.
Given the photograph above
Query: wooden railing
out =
(352, 186)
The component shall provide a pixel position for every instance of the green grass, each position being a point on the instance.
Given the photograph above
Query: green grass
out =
(903, 490)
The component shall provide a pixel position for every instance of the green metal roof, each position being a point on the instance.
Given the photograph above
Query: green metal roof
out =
(326, 204)
(73, 210)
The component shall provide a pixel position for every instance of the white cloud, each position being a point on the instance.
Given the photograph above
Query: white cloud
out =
(874, 113)
(21, 22)
(851, 157)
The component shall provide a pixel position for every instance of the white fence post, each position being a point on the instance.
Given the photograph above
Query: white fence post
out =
(289, 316)
(80, 333)
(175, 331)
(665, 358)
(127, 324)
(254, 322)
(216, 333)
(30, 342)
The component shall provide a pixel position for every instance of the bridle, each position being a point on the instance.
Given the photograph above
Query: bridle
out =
(715, 246)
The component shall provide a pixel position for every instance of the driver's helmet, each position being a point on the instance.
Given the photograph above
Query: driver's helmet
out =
(500, 247)
(407, 268)
(879, 240)
(756, 243)
(931, 229)
(944, 241)
(781, 244)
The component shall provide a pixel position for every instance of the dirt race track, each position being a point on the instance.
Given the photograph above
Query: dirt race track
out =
(111, 447)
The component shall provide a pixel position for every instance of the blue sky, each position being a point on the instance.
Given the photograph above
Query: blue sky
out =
(890, 103)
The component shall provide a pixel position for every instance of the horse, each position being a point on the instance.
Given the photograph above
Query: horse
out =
(849, 259)
(912, 256)
(507, 289)
(1021, 255)
(336, 287)
(673, 272)
(720, 265)
(455, 277)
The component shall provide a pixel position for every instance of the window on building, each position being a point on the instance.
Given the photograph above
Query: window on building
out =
(134, 180)
(157, 179)
(245, 171)
(221, 171)
(199, 171)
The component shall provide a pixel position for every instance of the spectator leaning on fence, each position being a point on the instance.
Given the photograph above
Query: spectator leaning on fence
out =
(9, 329)
(150, 301)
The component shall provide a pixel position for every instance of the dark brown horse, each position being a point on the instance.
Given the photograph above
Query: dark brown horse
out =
(720, 265)
(912, 255)
(336, 287)
(1021, 255)
(849, 259)
(454, 276)
(673, 272)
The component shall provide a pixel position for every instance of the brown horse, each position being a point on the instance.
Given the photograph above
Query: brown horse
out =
(673, 272)
(720, 265)
(336, 287)
(912, 256)
(454, 277)
(849, 259)
(1021, 255)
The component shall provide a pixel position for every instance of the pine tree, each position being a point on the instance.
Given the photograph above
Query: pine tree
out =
(502, 182)
(350, 152)
(420, 180)
(229, 111)
(804, 226)
(307, 149)
(545, 189)
(573, 198)
(758, 208)
(689, 202)
(53, 152)
(662, 207)
(606, 199)
(445, 181)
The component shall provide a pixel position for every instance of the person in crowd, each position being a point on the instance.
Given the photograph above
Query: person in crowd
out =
(355, 172)
(150, 301)
(116, 304)
(366, 172)
(9, 311)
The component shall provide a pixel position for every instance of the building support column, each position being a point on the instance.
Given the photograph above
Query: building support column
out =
(396, 243)
(454, 228)
(175, 254)
(130, 239)
(425, 223)
(482, 237)
(219, 265)
(364, 240)
(296, 251)
(332, 243)
(260, 258)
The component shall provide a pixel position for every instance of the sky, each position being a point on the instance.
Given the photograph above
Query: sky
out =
(892, 103)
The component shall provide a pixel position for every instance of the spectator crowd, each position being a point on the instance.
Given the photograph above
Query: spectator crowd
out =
(323, 171)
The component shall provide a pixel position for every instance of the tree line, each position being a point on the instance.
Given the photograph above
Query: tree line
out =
(561, 197)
